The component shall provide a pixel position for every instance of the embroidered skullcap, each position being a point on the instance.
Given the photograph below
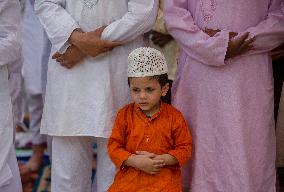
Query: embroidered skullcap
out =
(145, 62)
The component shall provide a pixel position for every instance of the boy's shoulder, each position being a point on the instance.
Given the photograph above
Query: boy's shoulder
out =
(127, 108)
(171, 109)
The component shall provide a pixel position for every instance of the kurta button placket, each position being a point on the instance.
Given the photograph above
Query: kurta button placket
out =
(147, 139)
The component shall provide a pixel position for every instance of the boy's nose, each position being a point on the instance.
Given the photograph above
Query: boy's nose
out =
(142, 95)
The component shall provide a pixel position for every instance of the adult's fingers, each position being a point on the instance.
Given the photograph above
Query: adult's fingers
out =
(232, 35)
(240, 40)
(245, 49)
(246, 46)
(56, 55)
(100, 30)
(112, 44)
(60, 59)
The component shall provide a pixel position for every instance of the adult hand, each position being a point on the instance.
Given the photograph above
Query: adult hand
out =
(90, 43)
(239, 45)
(70, 58)
(211, 32)
(277, 53)
(160, 39)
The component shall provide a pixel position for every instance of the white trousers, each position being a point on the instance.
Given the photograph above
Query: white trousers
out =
(13, 184)
(72, 164)
(35, 108)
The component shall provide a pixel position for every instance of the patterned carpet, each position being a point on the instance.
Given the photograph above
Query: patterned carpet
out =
(43, 182)
(35, 182)
(39, 182)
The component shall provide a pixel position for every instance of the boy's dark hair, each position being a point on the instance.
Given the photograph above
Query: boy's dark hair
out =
(162, 79)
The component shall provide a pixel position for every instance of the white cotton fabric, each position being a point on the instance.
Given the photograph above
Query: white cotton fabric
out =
(83, 101)
(33, 49)
(6, 126)
(72, 165)
(9, 56)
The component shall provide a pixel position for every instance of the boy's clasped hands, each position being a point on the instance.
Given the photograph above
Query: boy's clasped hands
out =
(84, 44)
(238, 44)
(149, 162)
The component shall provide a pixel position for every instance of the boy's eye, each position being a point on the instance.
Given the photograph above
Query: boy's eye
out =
(135, 90)
(149, 89)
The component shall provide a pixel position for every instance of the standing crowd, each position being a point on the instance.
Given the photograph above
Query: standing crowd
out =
(178, 95)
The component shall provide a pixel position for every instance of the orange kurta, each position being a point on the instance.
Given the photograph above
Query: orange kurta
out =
(165, 132)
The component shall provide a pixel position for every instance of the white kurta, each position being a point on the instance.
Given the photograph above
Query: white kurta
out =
(9, 55)
(83, 101)
(33, 48)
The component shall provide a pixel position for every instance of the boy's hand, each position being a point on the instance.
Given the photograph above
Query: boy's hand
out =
(70, 58)
(91, 43)
(145, 163)
(167, 158)
(238, 46)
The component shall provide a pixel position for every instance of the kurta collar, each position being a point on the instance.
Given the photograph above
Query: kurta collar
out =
(140, 113)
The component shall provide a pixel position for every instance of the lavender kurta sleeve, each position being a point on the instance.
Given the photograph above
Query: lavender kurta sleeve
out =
(57, 22)
(193, 41)
(139, 19)
(269, 33)
(10, 47)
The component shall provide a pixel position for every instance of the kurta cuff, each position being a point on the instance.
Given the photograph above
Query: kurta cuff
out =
(120, 157)
(181, 156)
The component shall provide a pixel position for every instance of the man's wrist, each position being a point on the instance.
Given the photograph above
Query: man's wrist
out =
(75, 36)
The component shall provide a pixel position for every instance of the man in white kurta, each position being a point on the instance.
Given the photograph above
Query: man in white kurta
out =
(10, 52)
(35, 57)
(81, 102)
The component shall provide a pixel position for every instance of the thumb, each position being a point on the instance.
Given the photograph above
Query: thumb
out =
(56, 55)
(100, 30)
(112, 44)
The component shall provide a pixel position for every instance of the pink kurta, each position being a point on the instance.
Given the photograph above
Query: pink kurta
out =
(228, 105)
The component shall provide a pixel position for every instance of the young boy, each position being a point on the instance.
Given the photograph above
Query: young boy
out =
(150, 140)
(86, 84)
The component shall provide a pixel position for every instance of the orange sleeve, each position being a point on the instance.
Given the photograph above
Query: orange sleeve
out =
(117, 141)
(182, 140)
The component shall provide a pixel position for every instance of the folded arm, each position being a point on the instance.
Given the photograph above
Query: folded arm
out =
(140, 18)
(10, 48)
(269, 33)
(196, 43)
(57, 22)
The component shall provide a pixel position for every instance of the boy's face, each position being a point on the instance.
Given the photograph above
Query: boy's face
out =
(146, 93)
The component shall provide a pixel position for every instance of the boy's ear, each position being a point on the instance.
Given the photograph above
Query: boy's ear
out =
(165, 89)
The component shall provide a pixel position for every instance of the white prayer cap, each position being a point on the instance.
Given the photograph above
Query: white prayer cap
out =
(145, 62)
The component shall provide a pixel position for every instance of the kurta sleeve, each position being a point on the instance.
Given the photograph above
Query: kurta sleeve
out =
(117, 141)
(140, 18)
(270, 32)
(10, 48)
(57, 22)
(192, 40)
(182, 140)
